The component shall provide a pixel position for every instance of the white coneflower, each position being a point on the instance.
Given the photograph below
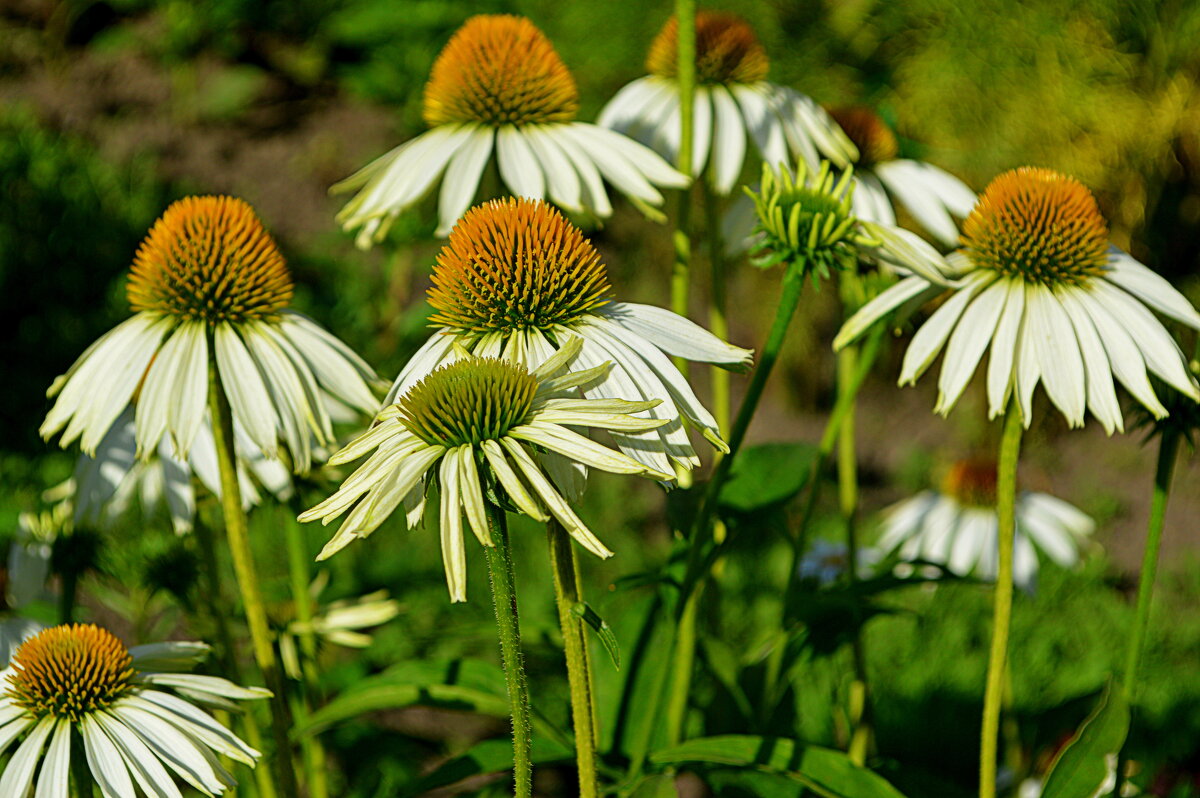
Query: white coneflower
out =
(516, 279)
(733, 102)
(479, 423)
(499, 85)
(207, 283)
(122, 703)
(106, 485)
(338, 623)
(956, 527)
(933, 196)
(1039, 282)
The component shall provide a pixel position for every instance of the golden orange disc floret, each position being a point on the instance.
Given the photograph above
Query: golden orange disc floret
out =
(875, 140)
(515, 264)
(70, 671)
(1040, 225)
(972, 483)
(209, 259)
(727, 51)
(499, 69)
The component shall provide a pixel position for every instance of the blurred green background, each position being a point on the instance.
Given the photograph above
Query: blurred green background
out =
(110, 110)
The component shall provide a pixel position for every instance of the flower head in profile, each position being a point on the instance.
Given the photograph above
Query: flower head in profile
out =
(1037, 280)
(516, 279)
(338, 623)
(499, 87)
(956, 527)
(734, 102)
(806, 219)
(106, 485)
(481, 427)
(136, 710)
(932, 196)
(210, 293)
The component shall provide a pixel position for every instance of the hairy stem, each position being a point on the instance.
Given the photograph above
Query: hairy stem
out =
(504, 596)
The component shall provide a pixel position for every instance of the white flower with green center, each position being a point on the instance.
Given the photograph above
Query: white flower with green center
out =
(106, 485)
(135, 709)
(516, 279)
(481, 426)
(499, 85)
(733, 101)
(957, 526)
(933, 196)
(209, 284)
(1037, 280)
(806, 219)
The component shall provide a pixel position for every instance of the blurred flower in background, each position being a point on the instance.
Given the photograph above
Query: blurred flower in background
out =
(956, 527)
(499, 84)
(733, 102)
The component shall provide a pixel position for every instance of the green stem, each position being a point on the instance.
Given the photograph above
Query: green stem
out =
(311, 748)
(67, 595)
(718, 323)
(847, 470)
(82, 783)
(228, 658)
(247, 577)
(685, 14)
(1168, 448)
(567, 596)
(993, 696)
(504, 596)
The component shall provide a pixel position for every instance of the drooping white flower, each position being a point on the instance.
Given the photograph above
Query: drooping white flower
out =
(516, 279)
(340, 623)
(136, 711)
(473, 424)
(1038, 282)
(499, 87)
(209, 287)
(733, 102)
(956, 527)
(931, 195)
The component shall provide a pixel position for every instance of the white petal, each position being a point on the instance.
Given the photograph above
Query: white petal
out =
(199, 724)
(906, 179)
(903, 518)
(177, 490)
(644, 160)
(1066, 515)
(928, 341)
(1151, 288)
(579, 448)
(511, 482)
(763, 124)
(454, 554)
(967, 345)
(1056, 542)
(171, 746)
(154, 402)
(519, 169)
(18, 773)
(624, 109)
(244, 386)
(338, 370)
(562, 180)
(105, 761)
(870, 202)
(424, 360)
(866, 317)
(1101, 395)
(1124, 356)
(1162, 354)
(1025, 563)
(189, 396)
(956, 195)
(1003, 355)
(151, 776)
(809, 126)
(472, 496)
(907, 250)
(1029, 365)
(594, 197)
(54, 778)
(729, 141)
(462, 178)
(12, 730)
(675, 335)
(1057, 350)
(977, 528)
(702, 129)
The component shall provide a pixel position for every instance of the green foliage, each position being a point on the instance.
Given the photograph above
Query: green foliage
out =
(1090, 759)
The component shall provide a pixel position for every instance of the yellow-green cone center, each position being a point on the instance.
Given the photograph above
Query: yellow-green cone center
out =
(727, 51)
(499, 70)
(209, 259)
(468, 402)
(515, 264)
(70, 671)
(1039, 225)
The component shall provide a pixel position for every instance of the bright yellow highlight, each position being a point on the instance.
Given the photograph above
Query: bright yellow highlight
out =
(70, 671)
(500, 70)
(210, 259)
(515, 264)
(727, 51)
(1039, 225)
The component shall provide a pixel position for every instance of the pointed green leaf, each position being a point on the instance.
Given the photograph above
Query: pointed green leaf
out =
(1086, 766)
(589, 616)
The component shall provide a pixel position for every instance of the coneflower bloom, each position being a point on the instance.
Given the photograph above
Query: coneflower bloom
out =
(339, 623)
(134, 709)
(733, 101)
(475, 423)
(106, 485)
(208, 285)
(932, 196)
(1038, 281)
(500, 86)
(956, 527)
(516, 279)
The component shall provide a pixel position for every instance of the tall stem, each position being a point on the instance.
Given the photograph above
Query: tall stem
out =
(685, 14)
(504, 596)
(993, 696)
(247, 577)
(566, 596)
(718, 323)
(312, 750)
(82, 783)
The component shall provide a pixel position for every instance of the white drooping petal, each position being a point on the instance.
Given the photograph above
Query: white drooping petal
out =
(462, 178)
(562, 181)
(18, 773)
(1001, 371)
(1028, 364)
(189, 396)
(1159, 349)
(471, 490)
(702, 129)
(1101, 395)
(434, 352)
(675, 335)
(54, 778)
(1124, 356)
(762, 123)
(870, 314)
(104, 760)
(908, 180)
(1055, 541)
(932, 335)
(902, 518)
(454, 553)
(808, 126)
(519, 169)
(162, 379)
(338, 370)
(1151, 288)
(151, 776)
(968, 343)
(870, 201)
(170, 745)
(613, 163)
(625, 109)
(1057, 351)
(903, 248)
(594, 195)
(729, 141)
(244, 386)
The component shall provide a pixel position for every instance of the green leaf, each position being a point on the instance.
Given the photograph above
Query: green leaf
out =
(827, 772)
(488, 756)
(465, 684)
(660, 785)
(1086, 763)
(602, 630)
(767, 475)
(752, 784)
(637, 726)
